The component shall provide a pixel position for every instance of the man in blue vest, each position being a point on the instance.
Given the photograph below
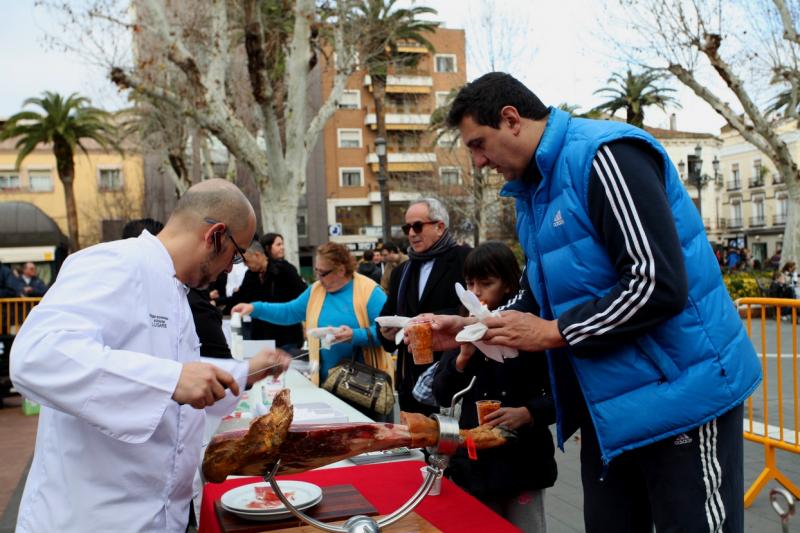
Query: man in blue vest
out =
(647, 354)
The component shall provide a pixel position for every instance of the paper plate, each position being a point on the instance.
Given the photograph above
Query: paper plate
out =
(257, 499)
(473, 332)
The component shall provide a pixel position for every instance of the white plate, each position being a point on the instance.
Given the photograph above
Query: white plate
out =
(243, 499)
(392, 321)
(267, 516)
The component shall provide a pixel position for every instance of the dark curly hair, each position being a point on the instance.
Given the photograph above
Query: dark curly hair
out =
(483, 98)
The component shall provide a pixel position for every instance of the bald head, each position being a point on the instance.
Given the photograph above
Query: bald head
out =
(215, 199)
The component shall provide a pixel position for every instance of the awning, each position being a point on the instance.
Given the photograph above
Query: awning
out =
(24, 225)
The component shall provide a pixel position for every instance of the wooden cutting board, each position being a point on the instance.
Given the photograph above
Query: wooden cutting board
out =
(411, 523)
(339, 502)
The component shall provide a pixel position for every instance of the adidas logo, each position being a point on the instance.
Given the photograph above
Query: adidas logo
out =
(681, 439)
(558, 220)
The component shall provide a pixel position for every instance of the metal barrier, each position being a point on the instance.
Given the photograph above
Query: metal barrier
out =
(773, 437)
(13, 312)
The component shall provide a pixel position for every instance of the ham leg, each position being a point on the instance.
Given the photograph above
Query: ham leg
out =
(303, 447)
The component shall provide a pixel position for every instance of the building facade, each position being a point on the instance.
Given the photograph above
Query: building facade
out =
(419, 161)
(755, 201)
(109, 188)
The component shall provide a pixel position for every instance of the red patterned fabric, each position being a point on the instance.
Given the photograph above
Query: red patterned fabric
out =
(387, 486)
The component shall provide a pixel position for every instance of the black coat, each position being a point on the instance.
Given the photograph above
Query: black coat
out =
(439, 297)
(525, 464)
(208, 324)
(281, 284)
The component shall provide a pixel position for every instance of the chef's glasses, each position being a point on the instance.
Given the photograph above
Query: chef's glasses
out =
(238, 256)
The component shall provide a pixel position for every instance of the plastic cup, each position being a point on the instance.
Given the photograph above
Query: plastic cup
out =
(485, 407)
(436, 488)
(420, 339)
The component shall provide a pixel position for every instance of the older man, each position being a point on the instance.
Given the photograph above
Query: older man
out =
(30, 283)
(112, 355)
(423, 284)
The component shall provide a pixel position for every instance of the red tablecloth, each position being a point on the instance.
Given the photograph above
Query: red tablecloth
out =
(386, 486)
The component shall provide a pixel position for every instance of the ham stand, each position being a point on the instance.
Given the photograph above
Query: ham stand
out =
(439, 459)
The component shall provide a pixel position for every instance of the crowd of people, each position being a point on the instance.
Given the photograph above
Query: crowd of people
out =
(21, 283)
(622, 325)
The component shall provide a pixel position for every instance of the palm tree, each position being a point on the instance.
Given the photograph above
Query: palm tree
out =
(64, 124)
(633, 92)
(383, 27)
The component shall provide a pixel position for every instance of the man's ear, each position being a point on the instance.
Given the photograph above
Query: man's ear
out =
(510, 117)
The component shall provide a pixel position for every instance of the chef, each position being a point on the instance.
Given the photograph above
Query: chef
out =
(112, 356)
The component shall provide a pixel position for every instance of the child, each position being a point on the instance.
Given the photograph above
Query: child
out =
(510, 479)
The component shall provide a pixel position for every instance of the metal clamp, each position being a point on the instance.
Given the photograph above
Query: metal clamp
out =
(775, 495)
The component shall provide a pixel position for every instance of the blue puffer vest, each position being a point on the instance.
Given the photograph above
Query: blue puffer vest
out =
(690, 369)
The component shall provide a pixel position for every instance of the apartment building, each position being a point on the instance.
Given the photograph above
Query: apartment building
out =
(109, 188)
(418, 163)
(704, 183)
(755, 201)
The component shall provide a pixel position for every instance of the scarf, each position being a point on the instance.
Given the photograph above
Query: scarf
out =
(445, 243)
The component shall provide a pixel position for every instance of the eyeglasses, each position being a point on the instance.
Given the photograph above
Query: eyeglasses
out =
(321, 274)
(238, 255)
(416, 226)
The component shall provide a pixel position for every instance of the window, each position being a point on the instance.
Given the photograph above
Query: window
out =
(445, 62)
(350, 100)
(450, 175)
(448, 139)
(40, 181)
(110, 179)
(758, 211)
(349, 138)
(441, 98)
(353, 218)
(736, 215)
(9, 181)
(350, 177)
(302, 225)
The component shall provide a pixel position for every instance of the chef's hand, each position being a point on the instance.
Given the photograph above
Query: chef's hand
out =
(510, 417)
(523, 331)
(202, 384)
(267, 363)
(244, 309)
(389, 333)
(214, 294)
(444, 329)
(343, 334)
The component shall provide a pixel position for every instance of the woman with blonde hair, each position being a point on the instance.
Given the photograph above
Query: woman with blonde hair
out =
(340, 298)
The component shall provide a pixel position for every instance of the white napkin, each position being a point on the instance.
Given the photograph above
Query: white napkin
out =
(474, 332)
(394, 321)
(325, 336)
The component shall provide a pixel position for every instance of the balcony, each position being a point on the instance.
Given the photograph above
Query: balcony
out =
(734, 223)
(779, 220)
(405, 161)
(757, 221)
(777, 179)
(734, 185)
(756, 181)
(405, 83)
(411, 47)
(399, 122)
(706, 223)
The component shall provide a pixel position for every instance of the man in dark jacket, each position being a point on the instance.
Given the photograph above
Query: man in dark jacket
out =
(30, 284)
(423, 284)
(270, 281)
(367, 267)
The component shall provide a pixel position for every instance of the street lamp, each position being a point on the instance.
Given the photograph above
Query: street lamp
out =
(695, 176)
(380, 150)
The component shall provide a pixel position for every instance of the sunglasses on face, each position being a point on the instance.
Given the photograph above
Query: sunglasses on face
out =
(416, 226)
(238, 254)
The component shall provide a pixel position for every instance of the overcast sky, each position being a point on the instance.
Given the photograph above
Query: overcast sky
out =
(564, 59)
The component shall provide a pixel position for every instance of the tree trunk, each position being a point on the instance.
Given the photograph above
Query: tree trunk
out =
(478, 199)
(66, 173)
(791, 234)
(279, 215)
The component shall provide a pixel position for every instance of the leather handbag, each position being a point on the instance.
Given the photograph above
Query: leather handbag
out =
(362, 385)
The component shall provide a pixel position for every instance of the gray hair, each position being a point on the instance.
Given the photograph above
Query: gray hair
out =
(255, 247)
(436, 210)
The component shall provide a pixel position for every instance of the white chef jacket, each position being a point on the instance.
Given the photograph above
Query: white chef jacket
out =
(102, 353)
